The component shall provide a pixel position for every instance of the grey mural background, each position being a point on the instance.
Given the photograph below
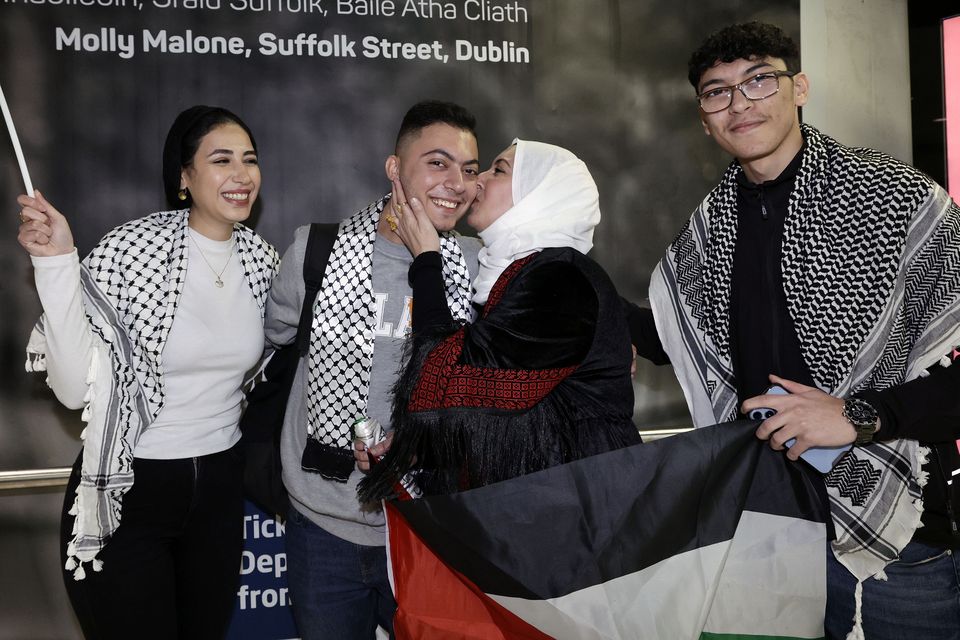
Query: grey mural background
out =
(606, 79)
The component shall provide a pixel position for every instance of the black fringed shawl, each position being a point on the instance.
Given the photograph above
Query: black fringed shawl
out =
(541, 378)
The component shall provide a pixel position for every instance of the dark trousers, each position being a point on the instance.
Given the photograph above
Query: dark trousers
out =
(172, 568)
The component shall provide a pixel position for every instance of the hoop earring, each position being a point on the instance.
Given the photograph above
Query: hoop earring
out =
(182, 194)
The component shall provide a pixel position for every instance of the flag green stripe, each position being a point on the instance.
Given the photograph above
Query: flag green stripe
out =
(744, 636)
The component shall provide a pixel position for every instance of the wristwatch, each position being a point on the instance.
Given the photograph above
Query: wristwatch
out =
(863, 417)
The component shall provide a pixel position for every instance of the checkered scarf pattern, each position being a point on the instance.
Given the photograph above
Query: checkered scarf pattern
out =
(871, 272)
(131, 284)
(342, 334)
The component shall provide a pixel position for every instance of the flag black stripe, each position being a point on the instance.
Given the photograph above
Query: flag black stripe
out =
(550, 533)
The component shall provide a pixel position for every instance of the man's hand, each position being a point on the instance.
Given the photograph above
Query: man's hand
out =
(811, 416)
(363, 456)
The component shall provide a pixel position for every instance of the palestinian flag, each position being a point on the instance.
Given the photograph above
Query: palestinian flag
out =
(709, 534)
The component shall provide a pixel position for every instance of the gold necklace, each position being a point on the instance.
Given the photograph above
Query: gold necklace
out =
(219, 280)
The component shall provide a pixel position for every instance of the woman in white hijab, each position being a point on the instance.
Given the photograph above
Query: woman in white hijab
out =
(542, 375)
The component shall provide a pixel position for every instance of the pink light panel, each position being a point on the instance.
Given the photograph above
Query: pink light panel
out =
(951, 95)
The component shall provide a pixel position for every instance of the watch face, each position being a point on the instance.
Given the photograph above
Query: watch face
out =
(863, 417)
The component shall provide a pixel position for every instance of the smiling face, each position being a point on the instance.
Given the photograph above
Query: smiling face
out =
(223, 179)
(764, 135)
(494, 191)
(439, 167)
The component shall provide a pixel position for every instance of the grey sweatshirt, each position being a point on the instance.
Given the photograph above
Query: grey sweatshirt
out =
(333, 505)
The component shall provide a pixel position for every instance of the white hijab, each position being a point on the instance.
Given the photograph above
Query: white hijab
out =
(556, 204)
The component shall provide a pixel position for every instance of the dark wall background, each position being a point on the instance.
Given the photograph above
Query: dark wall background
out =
(606, 79)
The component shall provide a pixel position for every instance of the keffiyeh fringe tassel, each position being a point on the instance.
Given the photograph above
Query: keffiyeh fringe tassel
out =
(911, 521)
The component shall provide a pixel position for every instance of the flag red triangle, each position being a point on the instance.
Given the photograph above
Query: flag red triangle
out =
(435, 601)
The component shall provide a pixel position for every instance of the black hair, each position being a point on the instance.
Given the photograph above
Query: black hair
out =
(428, 112)
(182, 143)
(743, 42)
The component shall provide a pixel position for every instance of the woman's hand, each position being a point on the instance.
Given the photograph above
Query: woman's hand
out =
(412, 225)
(44, 232)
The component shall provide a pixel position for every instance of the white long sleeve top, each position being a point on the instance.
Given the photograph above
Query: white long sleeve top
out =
(216, 338)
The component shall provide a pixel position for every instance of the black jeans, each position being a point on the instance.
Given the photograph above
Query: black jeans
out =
(172, 568)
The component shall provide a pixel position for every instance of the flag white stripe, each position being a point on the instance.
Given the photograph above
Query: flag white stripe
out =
(770, 579)
(775, 576)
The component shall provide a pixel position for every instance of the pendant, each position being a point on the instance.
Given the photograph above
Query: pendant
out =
(219, 283)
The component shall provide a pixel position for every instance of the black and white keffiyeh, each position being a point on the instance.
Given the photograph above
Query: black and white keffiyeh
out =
(342, 334)
(131, 284)
(871, 272)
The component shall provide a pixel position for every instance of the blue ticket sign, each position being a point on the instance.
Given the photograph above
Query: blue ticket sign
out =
(262, 610)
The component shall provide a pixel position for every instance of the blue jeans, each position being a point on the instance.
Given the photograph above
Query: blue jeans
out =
(339, 589)
(920, 599)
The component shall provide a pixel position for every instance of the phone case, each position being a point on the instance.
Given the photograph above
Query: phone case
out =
(820, 458)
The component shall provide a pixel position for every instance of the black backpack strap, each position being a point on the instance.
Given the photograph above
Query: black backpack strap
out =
(319, 244)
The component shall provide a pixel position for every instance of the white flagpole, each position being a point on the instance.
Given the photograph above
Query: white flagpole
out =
(16, 144)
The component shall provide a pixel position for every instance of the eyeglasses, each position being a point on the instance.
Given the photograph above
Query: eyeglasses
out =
(758, 87)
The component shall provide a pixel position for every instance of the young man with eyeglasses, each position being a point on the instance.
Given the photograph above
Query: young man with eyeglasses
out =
(834, 273)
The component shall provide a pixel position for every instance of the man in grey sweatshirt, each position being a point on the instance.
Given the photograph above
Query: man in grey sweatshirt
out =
(335, 548)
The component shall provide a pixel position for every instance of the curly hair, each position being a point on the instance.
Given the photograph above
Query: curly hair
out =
(745, 41)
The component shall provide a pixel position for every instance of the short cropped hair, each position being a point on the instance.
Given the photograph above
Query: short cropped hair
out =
(423, 114)
(743, 42)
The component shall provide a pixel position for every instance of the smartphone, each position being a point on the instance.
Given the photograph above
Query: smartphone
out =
(762, 413)
(820, 458)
